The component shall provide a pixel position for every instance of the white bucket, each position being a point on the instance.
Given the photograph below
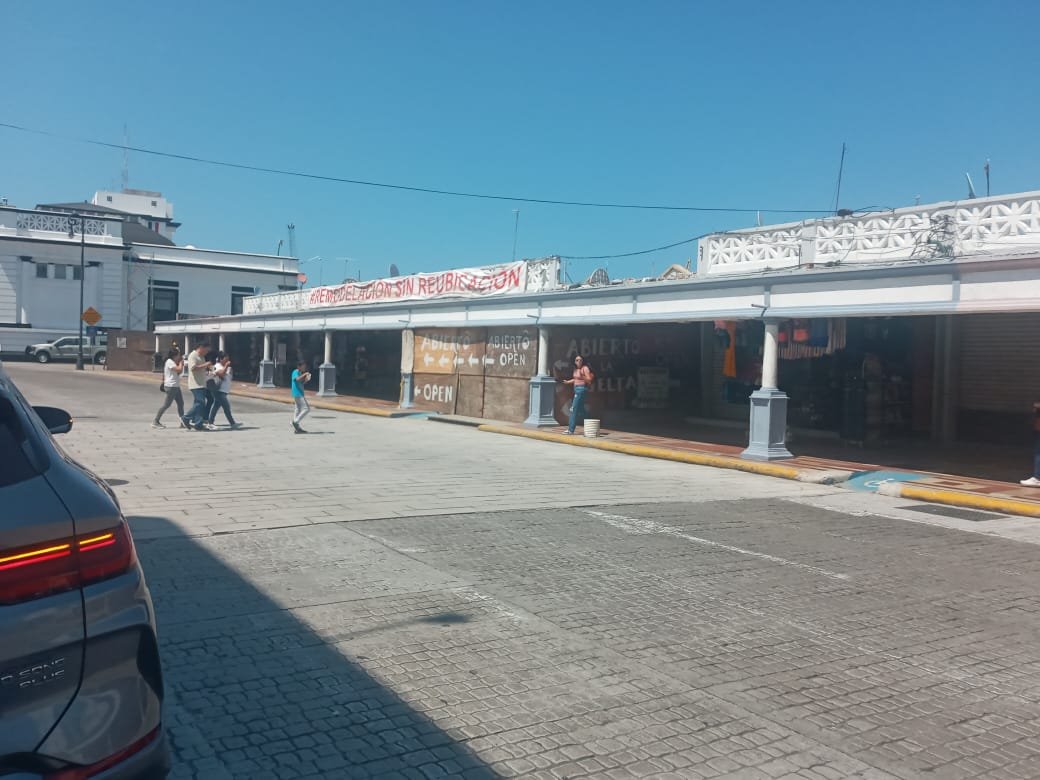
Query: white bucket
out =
(591, 429)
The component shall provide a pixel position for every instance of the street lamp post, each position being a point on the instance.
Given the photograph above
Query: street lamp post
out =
(82, 278)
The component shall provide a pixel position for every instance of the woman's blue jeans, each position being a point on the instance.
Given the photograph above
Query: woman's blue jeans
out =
(577, 408)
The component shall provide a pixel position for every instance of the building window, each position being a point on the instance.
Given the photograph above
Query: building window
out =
(154, 203)
(287, 287)
(108, 198)
(41, 270)
(238, 296)
(77, 272)
(163, 302)
(61, 271)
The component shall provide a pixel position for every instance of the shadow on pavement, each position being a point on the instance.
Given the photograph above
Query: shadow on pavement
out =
(253, 692)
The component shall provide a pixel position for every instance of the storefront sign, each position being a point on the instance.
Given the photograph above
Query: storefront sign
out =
(436, 392)
(653, 385)
(461, 283)
(511, 353)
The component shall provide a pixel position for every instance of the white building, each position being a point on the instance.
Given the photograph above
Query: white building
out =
(134, 274)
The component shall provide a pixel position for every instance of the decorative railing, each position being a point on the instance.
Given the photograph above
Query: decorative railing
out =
(978, 227)
(61, 223)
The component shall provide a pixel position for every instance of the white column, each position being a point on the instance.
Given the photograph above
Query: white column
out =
(220, 342)
(542, 387)
(266, 375)
(768, 431)
(770, 354)
(187, 349)
(543, 351)
(327, 371)
(156, 342)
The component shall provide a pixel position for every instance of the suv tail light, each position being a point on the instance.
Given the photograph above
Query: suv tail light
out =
(65, 564)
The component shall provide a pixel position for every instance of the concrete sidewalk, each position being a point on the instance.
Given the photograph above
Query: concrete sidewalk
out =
(910, 483)
(980, 494)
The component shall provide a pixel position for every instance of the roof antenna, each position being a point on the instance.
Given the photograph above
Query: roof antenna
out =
(126, 159)
(841, 169)
(986, 169)
(971, 186)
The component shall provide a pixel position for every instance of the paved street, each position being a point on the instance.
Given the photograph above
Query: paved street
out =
(399, 598)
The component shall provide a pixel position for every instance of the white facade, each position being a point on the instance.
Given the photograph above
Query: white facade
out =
(207, 281)
(40, 282)
(151, 209)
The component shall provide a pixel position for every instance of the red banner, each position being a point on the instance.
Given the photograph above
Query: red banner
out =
(461, 283)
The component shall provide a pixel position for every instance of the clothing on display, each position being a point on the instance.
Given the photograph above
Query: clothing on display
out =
(818, 338)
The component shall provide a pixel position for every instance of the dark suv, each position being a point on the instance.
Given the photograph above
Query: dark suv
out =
(80, 683)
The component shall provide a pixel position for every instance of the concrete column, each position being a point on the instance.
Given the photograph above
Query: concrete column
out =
(542, 387)
(187, 349)
(220, 342)
(159, 361)
(266, 378)
(770, 355)
(327, 371)
(407, 368)
(767, 440)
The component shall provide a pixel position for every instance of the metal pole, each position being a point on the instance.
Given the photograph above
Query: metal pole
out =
(82, 282)
(516, 229)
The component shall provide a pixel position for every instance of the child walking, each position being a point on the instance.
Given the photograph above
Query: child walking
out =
(300, 377)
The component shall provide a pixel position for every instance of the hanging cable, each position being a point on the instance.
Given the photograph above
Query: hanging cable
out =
(404, 187)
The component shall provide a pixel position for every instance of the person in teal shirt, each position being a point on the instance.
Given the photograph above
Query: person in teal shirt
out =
(300, 377)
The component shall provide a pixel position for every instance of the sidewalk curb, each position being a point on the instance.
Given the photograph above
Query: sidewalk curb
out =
(1008, 506)
(694, 458)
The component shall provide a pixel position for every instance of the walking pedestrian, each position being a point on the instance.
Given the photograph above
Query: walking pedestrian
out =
(1034, 481)
(581, 379)
(198, 367)
(221, 397)
(212, 383)
(171, 385)
(300, 377)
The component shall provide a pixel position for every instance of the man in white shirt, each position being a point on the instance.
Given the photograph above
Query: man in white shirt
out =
(197, 368)
(171, 387)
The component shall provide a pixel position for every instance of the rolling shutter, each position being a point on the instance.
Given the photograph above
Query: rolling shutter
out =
(999, 365)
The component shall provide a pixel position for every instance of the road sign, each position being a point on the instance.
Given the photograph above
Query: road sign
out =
(92, 331)
(301, 278)
(91, 316)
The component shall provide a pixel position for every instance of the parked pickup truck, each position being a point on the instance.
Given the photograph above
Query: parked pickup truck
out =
(67, 348)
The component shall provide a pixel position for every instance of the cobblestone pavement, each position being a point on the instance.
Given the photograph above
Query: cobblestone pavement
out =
(394, 598)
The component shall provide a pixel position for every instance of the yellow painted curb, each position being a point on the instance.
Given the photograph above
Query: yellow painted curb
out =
(1008, 506)
(642, 450)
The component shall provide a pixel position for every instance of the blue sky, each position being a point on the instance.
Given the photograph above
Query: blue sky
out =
(734, 104)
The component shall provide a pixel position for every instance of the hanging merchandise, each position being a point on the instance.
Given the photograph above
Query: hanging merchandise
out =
(819, 333)
(784, 335)
(729, 364)
(822, 337)
(801, 331)
(722, 334)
